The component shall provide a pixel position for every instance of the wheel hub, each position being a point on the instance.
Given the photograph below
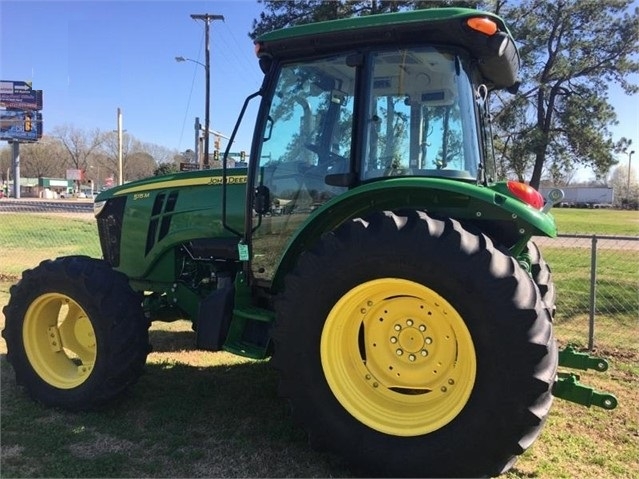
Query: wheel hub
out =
(411, 340)
(59, 340)
(398, 356)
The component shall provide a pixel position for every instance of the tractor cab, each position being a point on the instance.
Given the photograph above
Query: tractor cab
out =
(351, 106)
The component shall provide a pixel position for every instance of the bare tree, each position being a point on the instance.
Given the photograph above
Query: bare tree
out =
(44, 158)
(79, 145)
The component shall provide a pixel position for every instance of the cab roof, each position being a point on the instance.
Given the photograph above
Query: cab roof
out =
(495, 50)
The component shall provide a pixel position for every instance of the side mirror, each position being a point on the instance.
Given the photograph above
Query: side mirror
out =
(262, 200)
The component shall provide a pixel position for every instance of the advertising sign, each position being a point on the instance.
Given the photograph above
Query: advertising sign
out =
(25, 101)
(10, 87)
(20, 125)
(74, 174)
(189, 166)
(18, 94)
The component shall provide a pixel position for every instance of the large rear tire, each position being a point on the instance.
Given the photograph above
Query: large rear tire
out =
(76, 334)
(542, 276)
(413, 347)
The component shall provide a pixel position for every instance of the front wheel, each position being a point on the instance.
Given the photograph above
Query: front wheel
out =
(414, 347)
(75, 331)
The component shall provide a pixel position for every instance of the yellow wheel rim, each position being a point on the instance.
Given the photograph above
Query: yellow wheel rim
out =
(398, 357)
(59, 340)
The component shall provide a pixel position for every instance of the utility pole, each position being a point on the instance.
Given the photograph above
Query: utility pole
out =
(119, 146)
(207, 18)
(197, 142)
(15, 163)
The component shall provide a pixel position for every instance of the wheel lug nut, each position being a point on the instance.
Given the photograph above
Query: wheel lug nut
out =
(398, 327)
(369, 303)
(428, 340)
(411, 357)
(409, 322)
(443, 389)
(422, 328)
(424, 353)
(363, 310)
(451, 381)
(393, 339)
(399, 352)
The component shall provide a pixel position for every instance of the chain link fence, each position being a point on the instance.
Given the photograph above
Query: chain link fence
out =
(596, 277)
(597, 282)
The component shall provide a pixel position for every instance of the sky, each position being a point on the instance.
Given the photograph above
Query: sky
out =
(91, 57)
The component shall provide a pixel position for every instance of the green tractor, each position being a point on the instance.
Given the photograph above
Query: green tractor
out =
(366, 248)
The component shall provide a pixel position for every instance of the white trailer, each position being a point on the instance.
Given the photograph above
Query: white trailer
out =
(585, 196)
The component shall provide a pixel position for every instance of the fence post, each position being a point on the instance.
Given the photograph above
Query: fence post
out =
(593, 292)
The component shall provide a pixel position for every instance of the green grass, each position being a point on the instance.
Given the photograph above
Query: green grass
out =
(602, 221)
(617, 279)
(27, 239)
(197, 413)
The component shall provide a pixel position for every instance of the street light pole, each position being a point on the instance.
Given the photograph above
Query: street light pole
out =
(207, 18)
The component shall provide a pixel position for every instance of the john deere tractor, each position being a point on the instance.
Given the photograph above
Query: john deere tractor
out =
(367, 248)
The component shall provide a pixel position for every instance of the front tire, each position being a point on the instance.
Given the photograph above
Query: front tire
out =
(76, 334)
(413, 347)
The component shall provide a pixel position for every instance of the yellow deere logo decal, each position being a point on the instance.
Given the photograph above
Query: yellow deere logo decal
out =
(212, 180)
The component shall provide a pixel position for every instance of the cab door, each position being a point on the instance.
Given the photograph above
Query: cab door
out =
(307, 136)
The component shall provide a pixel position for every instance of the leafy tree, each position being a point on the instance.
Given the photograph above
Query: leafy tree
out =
(279, 14)
(165, 169)
(572, 50)
(139, 165)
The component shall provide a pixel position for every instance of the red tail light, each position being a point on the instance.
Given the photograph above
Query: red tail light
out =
(527, 194)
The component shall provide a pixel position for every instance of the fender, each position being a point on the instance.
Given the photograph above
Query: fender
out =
(442, 197)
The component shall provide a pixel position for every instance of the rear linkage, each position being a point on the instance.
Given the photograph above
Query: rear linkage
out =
(568, 386)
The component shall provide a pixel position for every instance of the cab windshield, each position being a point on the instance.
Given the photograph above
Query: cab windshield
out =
(421, 119)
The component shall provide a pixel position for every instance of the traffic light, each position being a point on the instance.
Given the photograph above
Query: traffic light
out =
(242, 155)
(216, 155)
(217, 143)
(27, 122)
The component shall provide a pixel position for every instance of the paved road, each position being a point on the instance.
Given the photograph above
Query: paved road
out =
(43, 206)
(615, 242)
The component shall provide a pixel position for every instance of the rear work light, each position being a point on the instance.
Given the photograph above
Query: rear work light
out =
(527, 194)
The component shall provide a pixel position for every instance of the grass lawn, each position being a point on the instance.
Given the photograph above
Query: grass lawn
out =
(599, 221)
(203, 414)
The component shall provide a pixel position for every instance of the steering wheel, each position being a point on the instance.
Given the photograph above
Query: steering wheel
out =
(328, 159)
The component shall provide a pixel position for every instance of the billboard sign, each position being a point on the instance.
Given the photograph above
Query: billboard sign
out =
(24, 101)
(20, 125)
(10, 87)
(19, 95)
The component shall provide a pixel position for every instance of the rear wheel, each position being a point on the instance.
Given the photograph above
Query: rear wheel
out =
(542, 276)
(412, 346)
(75, 331)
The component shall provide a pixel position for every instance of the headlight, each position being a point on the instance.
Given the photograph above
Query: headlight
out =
(98, 206)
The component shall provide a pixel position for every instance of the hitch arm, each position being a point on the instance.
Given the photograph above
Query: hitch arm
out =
(570, 358)
(569, 388)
